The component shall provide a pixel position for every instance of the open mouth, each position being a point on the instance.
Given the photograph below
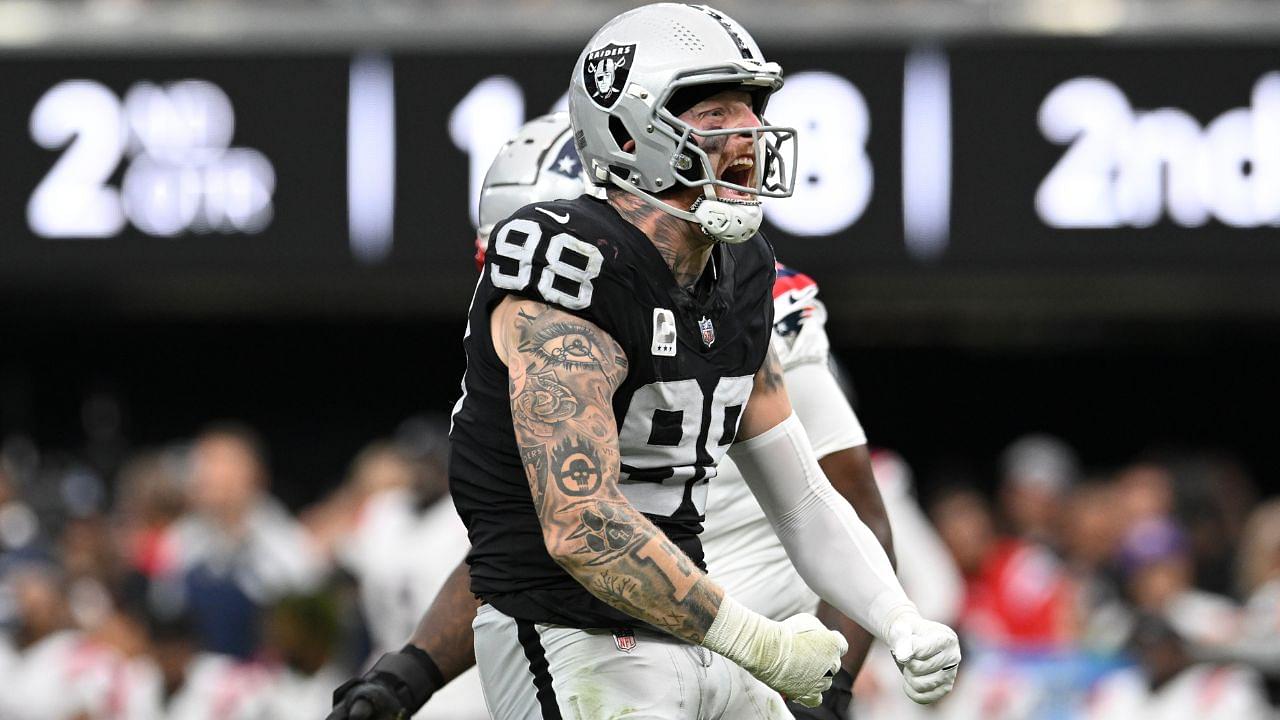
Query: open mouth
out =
(741, 171)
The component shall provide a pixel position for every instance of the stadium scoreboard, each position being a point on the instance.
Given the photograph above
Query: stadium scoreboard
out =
(361, 170)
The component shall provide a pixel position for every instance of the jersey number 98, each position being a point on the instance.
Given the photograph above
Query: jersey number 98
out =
(565, 280)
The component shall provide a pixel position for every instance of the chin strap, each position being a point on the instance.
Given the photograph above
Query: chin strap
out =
(727, 221)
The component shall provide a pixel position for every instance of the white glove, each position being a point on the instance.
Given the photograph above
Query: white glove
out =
(797, 657)
(928, 654)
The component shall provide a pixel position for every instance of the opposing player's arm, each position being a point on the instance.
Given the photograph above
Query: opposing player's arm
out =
(779, 465)
(444, 632)
(563, 373)
(849, 471)
(816, 524)
(440, 650)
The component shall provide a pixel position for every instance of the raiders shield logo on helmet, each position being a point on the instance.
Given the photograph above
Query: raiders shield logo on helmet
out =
(605, 73)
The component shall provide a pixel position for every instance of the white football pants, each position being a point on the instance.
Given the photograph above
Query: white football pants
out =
(532, 671)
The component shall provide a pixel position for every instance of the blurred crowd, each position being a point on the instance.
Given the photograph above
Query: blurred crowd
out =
(1149, 591)
(179, 587)
(170, 583)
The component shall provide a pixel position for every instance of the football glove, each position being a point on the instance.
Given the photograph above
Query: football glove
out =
(928, 654)
(797, 657)
(835, 701)
(393, 689)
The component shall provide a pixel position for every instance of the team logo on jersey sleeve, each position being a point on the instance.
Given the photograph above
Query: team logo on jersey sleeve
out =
(664, 333)
(605, 73)
(708, 330)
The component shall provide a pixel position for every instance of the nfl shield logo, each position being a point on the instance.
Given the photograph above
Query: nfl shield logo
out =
(708, 330)
(625, 640)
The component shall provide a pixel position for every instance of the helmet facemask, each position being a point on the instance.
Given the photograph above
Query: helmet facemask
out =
(725, 219)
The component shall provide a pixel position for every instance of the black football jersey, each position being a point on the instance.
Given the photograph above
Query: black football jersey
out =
(691, 362)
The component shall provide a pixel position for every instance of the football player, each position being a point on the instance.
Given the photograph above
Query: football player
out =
(620, 340)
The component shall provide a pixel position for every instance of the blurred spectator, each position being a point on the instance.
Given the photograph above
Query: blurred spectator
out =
(1036, 472)
(19, 526)
(1092, 525)
(1257, 639)
(150, 499)
(39, 602)
(302, 634)
(994, 686)
(1214, 497)
(929, 575)
(239, 549)
(1158, 576)
(186, 683)
(1146, 493)
(926, 568)
(62, 673)
(1258, 571)
(102, 420)
(1017, 592)
(1167, 685)
(93, 568)
(403, 539)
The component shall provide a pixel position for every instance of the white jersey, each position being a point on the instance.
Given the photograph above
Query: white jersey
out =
(217, 687)
(402, 557)
(63, 676)
(743, 554)
(1201, 692)
(294, 696)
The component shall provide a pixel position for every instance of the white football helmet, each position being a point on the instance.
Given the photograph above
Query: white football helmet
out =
(536, 165)
(633, 68)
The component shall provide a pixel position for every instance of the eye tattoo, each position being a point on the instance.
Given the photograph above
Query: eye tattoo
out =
(564, 344)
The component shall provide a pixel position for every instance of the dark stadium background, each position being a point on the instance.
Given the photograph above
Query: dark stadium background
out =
(319, 389)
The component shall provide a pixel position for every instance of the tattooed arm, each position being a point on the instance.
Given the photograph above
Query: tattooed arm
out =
(563, 373)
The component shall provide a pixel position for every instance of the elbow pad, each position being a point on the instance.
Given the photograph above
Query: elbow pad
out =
(832, 549)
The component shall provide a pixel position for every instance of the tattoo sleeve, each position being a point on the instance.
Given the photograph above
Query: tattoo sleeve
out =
(563, 373)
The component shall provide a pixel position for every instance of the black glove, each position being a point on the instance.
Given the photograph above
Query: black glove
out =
(393, 689)
(835, 701)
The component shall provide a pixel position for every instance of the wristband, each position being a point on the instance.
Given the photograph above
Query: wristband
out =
(411, 674)
(435, 678)
(736, 634)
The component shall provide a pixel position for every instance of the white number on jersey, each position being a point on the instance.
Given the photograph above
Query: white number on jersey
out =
(662, 429)
(561, 282)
